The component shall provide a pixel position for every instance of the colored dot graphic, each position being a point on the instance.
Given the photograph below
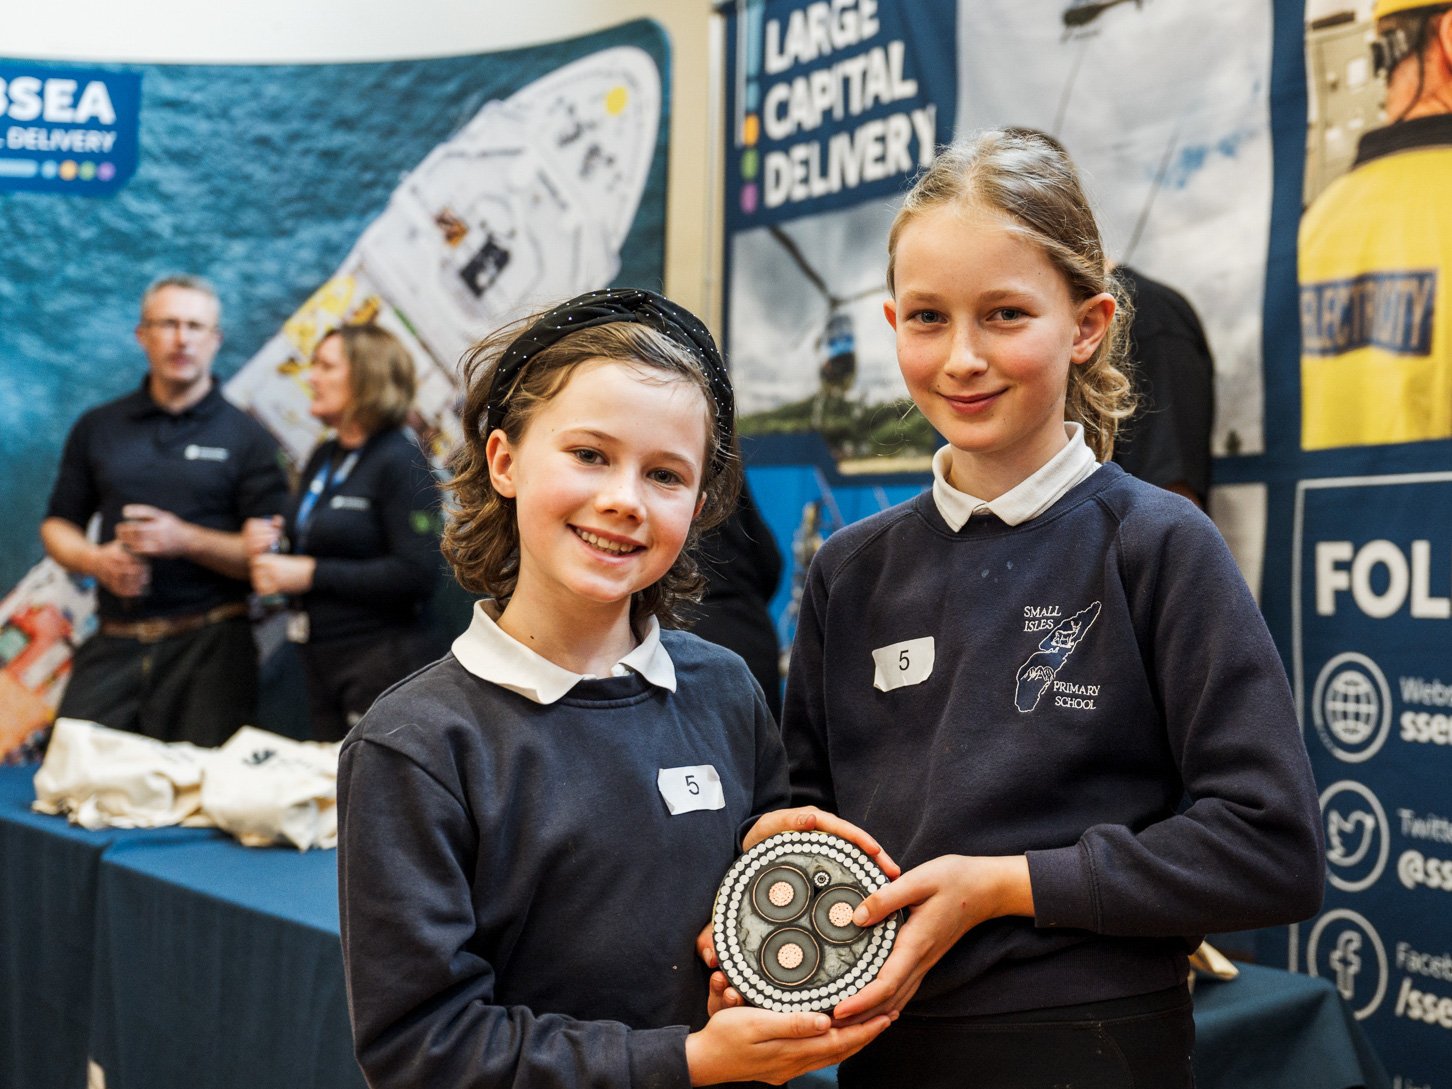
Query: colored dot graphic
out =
(750, 162)
(71, 170)
(616, 100)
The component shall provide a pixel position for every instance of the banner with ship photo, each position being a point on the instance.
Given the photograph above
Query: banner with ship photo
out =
(440, 197)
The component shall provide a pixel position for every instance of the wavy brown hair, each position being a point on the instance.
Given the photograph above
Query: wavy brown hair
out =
(481, 539)
(1028, 178)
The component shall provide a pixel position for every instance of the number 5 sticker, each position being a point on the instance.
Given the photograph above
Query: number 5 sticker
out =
(901, 665)
(688, 789)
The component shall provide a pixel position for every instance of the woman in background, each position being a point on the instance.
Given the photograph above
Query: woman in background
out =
(358, 548)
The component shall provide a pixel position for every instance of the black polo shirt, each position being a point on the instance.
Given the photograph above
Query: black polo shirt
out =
(375, 536)
(210, 464)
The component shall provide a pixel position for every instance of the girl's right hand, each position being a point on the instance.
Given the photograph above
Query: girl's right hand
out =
(944, 898)
(260, 535)
(745, 1044)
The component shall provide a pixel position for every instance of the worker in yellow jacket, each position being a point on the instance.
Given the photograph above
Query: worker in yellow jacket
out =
(1376, 256)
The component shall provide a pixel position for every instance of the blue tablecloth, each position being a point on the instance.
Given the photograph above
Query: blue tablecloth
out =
(221, 958)
(49, 875)
(1267, 1029)
(178, 958)
(1270, 1029)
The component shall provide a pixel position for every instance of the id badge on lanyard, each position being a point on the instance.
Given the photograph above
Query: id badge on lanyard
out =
(297, 626)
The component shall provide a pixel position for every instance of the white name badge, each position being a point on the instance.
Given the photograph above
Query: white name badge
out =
(298, 627)
(902, 665)
(687, 790)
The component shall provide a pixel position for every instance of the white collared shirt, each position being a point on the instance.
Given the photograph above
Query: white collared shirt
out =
(493, 655)
(1027, 499)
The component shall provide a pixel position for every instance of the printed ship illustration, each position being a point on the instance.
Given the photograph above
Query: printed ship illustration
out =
(529, 203)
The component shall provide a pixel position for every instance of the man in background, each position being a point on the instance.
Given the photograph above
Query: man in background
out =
(1167, 441)
(743, 566)
(172, 470)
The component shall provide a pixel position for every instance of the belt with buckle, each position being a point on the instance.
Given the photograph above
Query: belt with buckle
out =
(158, 628)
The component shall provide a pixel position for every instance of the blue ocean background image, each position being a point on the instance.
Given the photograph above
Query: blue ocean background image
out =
(260, 178)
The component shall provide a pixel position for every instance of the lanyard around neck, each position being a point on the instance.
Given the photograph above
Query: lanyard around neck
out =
(324, 481)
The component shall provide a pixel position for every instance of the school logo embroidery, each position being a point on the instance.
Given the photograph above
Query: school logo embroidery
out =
(1039, 672)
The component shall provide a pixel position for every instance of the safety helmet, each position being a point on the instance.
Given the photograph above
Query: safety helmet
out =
(1382, 8)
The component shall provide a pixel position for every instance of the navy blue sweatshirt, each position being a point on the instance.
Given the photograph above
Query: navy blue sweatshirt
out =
(518, 906)
(1089, 669)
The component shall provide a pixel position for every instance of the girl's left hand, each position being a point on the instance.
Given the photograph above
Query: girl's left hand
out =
(720, 995)
(946, 896)
(809, 818)
(276, 573)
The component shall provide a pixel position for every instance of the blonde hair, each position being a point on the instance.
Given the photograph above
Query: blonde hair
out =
(380, 376)
(1028, 178)
(481, 539)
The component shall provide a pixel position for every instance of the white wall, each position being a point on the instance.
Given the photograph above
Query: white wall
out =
(292, 31)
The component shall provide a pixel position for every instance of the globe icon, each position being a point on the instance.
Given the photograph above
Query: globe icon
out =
(1351, 707)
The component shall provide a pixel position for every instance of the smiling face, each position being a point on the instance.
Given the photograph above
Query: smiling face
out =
(330, 379)
(986, 334)
(606, 480)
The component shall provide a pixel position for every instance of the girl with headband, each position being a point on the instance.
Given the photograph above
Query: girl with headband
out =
(532, 829)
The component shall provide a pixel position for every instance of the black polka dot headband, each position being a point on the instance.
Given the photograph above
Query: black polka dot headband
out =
(601, 308)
